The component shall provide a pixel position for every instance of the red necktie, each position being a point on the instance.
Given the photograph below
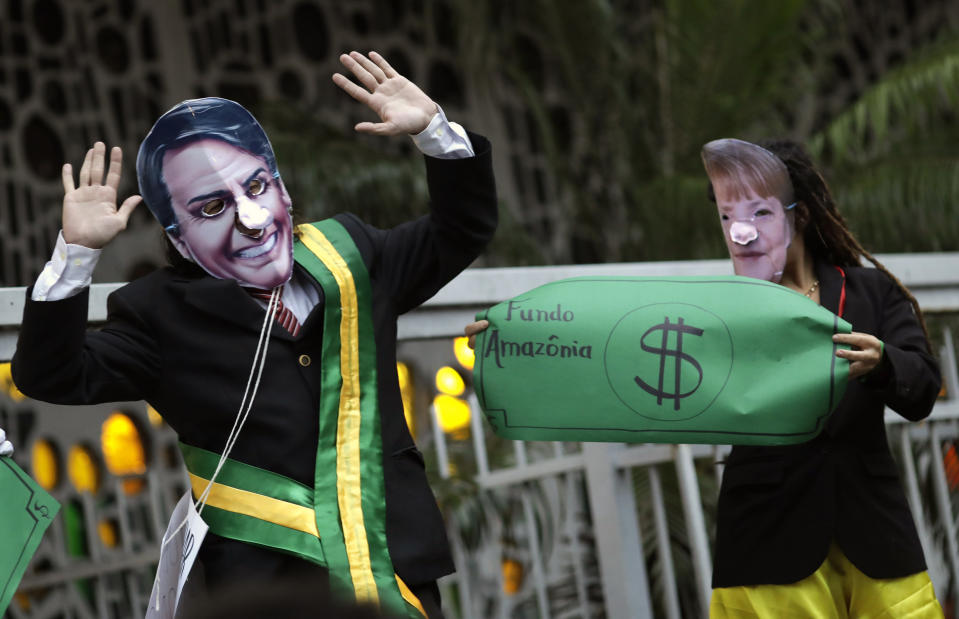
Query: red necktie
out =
(284, 316)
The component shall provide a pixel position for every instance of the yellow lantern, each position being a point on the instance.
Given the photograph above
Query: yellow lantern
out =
(464, 354)
(156, 419)
(512, 576)
(22, 600)
(123, 450)
(83, 470)
(107, 530)
(449, 381)
(122, 446)
(453, 415)
(45, 464)
(6, 383)
(405, 378)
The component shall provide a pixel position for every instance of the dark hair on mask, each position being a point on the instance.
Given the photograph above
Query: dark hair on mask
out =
(189, 121)
(825, 232)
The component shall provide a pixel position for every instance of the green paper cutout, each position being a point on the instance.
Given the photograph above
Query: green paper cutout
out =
(728, 360)
(26, 513)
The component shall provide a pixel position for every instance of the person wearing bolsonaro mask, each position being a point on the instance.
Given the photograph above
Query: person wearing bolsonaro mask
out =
(270, 347)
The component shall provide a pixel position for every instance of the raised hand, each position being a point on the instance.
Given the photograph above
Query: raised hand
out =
(90, 214)
(400, 104)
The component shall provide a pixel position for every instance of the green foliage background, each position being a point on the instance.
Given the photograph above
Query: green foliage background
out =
(621, 95)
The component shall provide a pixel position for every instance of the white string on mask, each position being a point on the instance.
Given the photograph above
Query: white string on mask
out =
(246, 404)
(259, 361)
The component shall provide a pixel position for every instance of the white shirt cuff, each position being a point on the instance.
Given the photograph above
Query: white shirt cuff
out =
(443, 139)
(69, 271)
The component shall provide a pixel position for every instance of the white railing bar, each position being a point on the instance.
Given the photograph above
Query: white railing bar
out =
(945, 428)
(496, 533)
(123, 515)
(478, 433)
(695, 524)
(442, 456)
(943, 410)
(653, 453)
(519, 448)
(536, 554)
(531, 472)
(941, 490)
(622, 565)
(88, 569)
(158, 505)
(479, 286)
(670, 592)
(949, 367)
(912, 487)
(134, 595)
(631, 456)
(573, 509)
(90, 519)
(461, 576)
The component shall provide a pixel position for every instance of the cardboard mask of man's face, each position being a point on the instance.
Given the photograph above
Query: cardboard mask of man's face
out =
(231, 210)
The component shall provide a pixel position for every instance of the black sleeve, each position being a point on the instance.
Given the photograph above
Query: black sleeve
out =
(912, 380)
(417, 258)
(58, 360)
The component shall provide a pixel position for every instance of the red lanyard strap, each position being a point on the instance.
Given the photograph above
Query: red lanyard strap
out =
(842, 292)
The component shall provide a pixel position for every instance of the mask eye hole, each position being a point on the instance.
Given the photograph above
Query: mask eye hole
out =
(213, 207)
(256, 187)
(763, 212)
(724, 217)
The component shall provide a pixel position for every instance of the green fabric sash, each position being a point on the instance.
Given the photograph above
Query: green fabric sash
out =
(254, 505)
(340, 523)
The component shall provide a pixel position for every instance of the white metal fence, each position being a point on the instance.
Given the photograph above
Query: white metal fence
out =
(538, 529)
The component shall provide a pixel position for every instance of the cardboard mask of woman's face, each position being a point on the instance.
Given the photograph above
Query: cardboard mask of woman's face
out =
(758, 232)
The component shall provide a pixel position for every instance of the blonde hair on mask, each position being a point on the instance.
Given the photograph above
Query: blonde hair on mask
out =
(737, 169)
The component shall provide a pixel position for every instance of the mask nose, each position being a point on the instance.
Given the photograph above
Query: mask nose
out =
(743, 233)
(251, 218)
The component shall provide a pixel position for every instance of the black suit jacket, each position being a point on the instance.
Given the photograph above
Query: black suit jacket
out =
(780, 507)
(185, 345)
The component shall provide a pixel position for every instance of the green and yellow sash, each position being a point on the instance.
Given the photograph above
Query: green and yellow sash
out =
(340, 522)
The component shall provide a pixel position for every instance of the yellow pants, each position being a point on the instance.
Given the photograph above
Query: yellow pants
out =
(837, 590)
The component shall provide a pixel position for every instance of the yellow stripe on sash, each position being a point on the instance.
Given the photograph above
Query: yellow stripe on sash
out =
(348, 486)
(410, 597)
(283, 513)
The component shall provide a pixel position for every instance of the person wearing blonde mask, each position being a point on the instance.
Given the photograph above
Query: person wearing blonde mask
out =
(823, 528)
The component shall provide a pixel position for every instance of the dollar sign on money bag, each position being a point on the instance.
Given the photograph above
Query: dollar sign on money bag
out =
(677, 353)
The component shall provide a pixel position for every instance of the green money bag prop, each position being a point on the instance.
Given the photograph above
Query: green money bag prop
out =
(26, 513)
(730, 360)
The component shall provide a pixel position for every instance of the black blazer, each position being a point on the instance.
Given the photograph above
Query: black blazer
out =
(185, 345)
(780, 507)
